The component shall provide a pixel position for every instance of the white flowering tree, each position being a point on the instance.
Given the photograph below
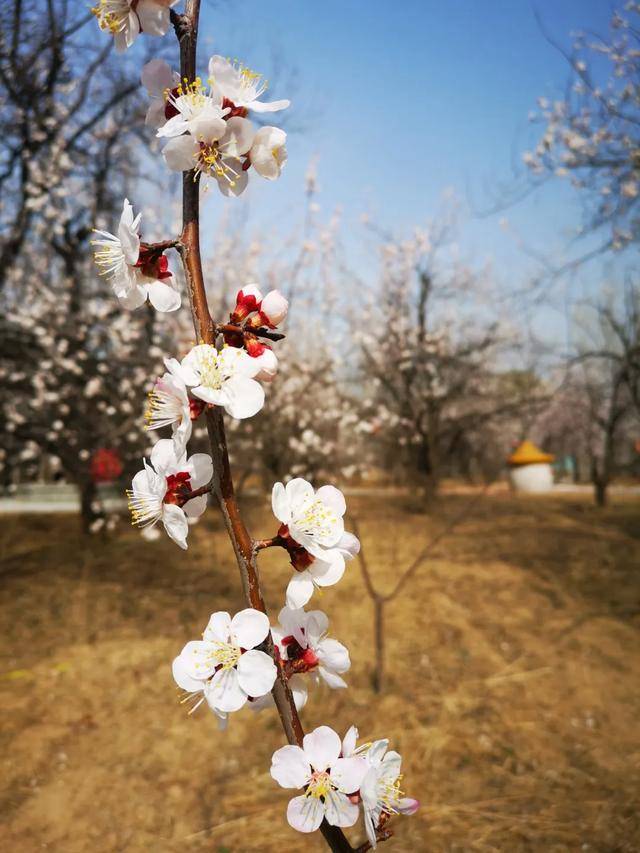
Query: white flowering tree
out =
(241, 660)
(430, 346)
(591, 136)
(71, 367)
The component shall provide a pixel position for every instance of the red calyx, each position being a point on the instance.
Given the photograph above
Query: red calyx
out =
(178, 487)
(234, 111)
(196, 408)
(169, 110)
(298, 659)
(253, 346)
(301, 559)
(153, 263)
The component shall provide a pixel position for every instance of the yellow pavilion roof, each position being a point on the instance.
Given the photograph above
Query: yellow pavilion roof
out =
(528, 454)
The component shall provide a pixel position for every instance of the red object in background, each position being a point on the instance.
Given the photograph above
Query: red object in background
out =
(105, 465)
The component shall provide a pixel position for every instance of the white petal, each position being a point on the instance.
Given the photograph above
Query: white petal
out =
(322, 747)
(256, 673)
(317, 625)
(333, 498)
(349, 545)
(391, 766)
(180, 154)
(370, 829)
(327, 573)
(219, 627)
(249, 628)
(183, 678)
(339, 810)
(224, 692)
(298, 490)
(244, 397)
(333, 655)
(280, 503)
(269, 106)
(347, 773)
(176, 525)
(238, 138)
(201, 469)
(331, 679)
(163, 456)
(208, 126)
(407, 805)
(154, 17)
(299, 691)
(290, 767)
(300, 589)
(376, 752)
(156, 76)
(349, 741)
(195, 507)
(238, 184)
(133, 298)
(305, 813)
(163, 297)
(196, 659)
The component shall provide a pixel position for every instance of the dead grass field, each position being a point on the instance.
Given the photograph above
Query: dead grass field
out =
(513, 684)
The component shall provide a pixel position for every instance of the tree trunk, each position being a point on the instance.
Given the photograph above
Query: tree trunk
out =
(600, 486)
(88, 496)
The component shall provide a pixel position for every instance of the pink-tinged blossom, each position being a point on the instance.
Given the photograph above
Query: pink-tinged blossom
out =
(248, 301)
(225, 665)
(126, 19)
(223, 378)
(160, 491)
(328, 780)
(135, 271)
(241, 87)
(313, 531)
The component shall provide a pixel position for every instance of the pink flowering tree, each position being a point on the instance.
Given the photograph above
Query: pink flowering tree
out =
(206, 125)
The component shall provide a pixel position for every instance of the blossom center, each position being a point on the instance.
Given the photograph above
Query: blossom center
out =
(178, 487)
(226, 655)
(320, 785)
(209, 368)
(316, 519)
(390, 794)
(112, 15)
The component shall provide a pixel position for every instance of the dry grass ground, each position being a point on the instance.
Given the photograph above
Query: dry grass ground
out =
(513, 690)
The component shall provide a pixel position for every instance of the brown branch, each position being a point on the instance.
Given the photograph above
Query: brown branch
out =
(232, 329)
(186, 27)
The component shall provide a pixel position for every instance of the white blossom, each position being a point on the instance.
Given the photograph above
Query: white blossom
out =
(314, 521)
(268, 153)
(225, 665)
(240, 85)
(159, 79)
(380, 789)
(327, 778)
(158, 491)
(223, 378)
(134, 273)
(126, 19)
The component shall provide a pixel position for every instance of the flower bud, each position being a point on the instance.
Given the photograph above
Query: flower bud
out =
(274, 308)
(247, 301)
(268, 365)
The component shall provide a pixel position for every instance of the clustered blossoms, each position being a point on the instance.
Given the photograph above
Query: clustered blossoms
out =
(207, 127)
(337, 778)
(238, 659)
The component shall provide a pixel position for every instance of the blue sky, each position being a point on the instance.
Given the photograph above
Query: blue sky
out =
(401, 101)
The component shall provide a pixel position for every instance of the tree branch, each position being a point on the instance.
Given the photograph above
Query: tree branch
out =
(186, 27)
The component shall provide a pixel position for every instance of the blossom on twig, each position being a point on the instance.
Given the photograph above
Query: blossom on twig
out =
(126, 19)
(313, 533)
(160, 492)
(225, 665)
(137, 272)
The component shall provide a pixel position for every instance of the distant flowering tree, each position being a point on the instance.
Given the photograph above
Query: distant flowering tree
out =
(591, 136)
(240, 660)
